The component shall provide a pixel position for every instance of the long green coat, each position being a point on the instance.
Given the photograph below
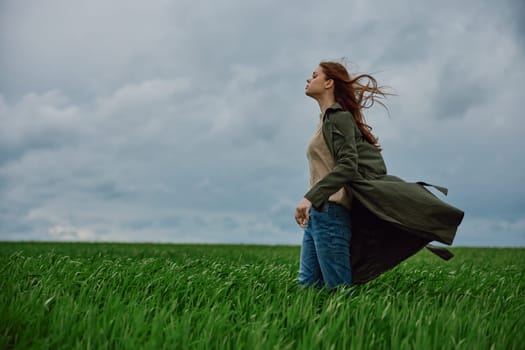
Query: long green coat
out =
(391, 219)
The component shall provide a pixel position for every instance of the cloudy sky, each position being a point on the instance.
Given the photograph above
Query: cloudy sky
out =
(186, 121)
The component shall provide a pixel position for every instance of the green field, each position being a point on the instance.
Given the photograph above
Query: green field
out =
(155, 296)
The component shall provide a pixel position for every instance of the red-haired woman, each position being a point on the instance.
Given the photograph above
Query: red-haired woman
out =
(359, 221)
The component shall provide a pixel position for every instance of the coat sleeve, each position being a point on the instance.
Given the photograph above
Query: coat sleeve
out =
(342, 134)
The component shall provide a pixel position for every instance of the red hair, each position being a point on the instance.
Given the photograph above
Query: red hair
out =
(355, 94)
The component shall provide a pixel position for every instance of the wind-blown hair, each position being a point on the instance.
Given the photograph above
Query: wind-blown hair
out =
(355, 94)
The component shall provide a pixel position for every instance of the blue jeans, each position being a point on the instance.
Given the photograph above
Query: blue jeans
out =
(325, 252)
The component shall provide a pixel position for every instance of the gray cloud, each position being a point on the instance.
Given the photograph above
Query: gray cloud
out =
(459, 91)
(187, 122)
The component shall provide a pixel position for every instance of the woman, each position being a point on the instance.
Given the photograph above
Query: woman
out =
(359, 221)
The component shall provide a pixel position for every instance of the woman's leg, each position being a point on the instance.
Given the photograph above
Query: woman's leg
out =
(309, 270)
(331, 232)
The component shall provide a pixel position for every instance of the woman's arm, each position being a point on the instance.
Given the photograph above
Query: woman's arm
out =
(339, 130)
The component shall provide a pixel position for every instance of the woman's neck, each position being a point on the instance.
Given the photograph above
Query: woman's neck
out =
(325, 102)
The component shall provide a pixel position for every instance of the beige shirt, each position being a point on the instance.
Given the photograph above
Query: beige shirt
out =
(321, 163)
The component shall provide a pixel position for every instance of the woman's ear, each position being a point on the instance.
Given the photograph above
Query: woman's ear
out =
(329, 83)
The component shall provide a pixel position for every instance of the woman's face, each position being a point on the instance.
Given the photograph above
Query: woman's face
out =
(316, 84)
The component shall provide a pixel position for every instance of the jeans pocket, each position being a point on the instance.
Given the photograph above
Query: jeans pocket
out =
(331, 225)
(323, 208)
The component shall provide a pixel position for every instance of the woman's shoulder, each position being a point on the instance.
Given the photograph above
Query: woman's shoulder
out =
(341, 119)
(342, 116)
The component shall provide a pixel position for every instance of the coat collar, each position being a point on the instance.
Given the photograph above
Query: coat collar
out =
(335, 107)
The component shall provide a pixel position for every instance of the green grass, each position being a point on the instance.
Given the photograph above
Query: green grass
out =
(125, 296)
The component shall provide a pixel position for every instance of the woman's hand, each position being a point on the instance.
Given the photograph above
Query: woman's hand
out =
(302, 212)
